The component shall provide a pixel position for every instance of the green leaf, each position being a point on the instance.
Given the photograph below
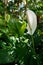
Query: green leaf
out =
(23, 27)
(17, 27)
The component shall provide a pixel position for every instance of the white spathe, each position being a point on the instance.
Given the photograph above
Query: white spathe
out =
(32, 22)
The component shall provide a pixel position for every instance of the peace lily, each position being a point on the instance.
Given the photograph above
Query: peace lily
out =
(32, 22)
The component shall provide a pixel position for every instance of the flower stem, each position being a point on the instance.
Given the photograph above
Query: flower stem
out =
(34, 49)
(32, 42)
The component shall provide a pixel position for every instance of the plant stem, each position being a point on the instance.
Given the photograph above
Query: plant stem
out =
(34, 49)
(32, 42)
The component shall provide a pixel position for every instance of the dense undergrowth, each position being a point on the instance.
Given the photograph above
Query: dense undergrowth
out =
(16, 45)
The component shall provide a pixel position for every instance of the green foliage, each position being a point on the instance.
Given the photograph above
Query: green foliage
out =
(17, 27)
(15, 44)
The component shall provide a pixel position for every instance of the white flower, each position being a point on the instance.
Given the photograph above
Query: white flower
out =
(24, 1)
(10, 0)
(32, 22)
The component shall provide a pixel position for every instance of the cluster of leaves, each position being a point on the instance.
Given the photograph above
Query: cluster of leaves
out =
(15, 44)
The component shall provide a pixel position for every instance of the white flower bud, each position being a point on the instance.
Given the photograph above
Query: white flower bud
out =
(32, 22)
(24, 1)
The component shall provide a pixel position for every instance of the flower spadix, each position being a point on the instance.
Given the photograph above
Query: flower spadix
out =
(32, 21)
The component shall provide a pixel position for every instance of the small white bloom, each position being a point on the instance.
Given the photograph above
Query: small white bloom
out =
(10, 0)
(24, 1)
(32, 22)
